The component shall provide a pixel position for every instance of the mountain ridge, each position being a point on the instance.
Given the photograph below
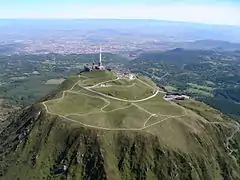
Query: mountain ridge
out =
(38, 145)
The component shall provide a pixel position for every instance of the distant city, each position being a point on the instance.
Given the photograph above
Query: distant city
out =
(85, 36)
(85, 45)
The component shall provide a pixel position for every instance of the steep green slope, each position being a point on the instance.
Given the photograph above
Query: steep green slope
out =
(190, 141)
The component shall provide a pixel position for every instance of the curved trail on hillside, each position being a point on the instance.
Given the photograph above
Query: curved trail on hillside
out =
(227, 144)
(89, 88)
(108, 103)
(145, 126)
(104, 128)
(119, 99)
(98, 84)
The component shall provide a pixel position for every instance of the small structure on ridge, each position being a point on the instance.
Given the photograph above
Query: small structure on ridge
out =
(94, 66)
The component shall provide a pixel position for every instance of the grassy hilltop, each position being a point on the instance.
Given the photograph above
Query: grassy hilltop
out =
(105, 125)
(102, 100)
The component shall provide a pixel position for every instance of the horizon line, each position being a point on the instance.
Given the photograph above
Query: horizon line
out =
(123, 19)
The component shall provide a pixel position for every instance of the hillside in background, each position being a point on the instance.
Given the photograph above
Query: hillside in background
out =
(108, 125)
(211, 76)
(209, 44)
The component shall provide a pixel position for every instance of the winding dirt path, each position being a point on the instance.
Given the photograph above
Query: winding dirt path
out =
(133, 103)
(106, 105)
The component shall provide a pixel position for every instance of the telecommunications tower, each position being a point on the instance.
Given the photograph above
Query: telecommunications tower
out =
(100, 56)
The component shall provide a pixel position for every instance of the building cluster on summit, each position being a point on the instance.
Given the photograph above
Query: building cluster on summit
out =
(94, 66)
(175, 96)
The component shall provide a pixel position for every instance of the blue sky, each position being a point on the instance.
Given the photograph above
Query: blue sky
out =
(202, 11)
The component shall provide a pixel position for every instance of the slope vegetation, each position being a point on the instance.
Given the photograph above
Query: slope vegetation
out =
(106, 125)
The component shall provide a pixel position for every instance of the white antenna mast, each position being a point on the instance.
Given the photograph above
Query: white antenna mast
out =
(100, 56)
